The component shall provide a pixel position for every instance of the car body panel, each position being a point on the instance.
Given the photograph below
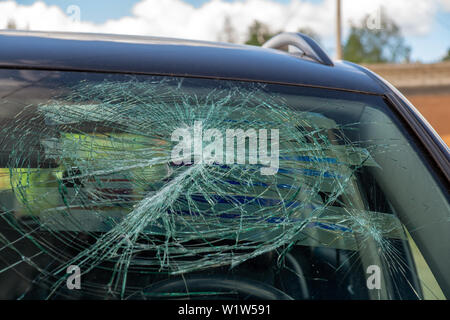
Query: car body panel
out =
(174, 57)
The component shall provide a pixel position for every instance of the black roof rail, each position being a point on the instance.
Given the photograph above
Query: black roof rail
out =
(305, 44)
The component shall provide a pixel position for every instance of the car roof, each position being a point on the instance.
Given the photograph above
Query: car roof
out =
(174, 57)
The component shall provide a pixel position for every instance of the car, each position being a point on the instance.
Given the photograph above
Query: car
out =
(152, 168)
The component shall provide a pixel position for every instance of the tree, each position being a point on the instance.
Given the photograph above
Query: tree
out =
(258, 33)
(228, 33)
(310, 33)
(447, 57)
(11, 25)
(374, 45)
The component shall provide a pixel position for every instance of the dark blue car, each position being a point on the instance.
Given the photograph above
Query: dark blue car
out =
(153, 168)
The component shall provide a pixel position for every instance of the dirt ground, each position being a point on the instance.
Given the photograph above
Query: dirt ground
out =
(436, 109)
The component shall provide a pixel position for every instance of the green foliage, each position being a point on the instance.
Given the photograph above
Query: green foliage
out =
(310, 33)
(228, 33)
(383, 44)
(258, 33)
(11, 25)
(447, 57)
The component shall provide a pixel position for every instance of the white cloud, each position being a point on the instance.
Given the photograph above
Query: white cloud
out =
(445, 4)
(415, 17)
(175, 18)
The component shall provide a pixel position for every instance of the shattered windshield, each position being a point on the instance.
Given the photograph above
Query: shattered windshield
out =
(140, 187)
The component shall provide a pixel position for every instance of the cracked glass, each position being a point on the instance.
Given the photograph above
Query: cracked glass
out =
(134, 187)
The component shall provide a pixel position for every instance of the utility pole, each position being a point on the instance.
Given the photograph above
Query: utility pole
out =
(338, 30)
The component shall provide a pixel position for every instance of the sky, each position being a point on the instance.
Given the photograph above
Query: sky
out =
(425, 24)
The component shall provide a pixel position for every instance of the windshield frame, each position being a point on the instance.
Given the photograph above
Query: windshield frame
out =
(417, 131)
